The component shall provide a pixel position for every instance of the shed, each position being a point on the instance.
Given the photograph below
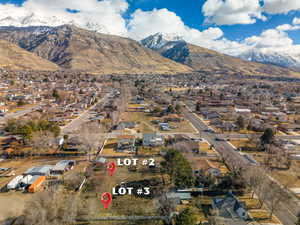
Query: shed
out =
(39, 170)
(62, 166)
(13, 184)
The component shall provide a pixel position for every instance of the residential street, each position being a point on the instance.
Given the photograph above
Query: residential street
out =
(84, 117)
(288, 212)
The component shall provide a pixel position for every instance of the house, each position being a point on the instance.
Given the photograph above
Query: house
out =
(62, 166)
(211, 115)
(164, 126)
(39, 170)
(126, 143)
(99, 163)
(230, 209)
(207, 167)
(228, 126)
(152, 140)
(126, 125)
(215, 172)
(173, 118)
(242, 110)
(178, 197)
(138, 100)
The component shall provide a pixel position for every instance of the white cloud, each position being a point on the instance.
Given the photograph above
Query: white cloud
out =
(103, 15)
(145, 23)
(281, 6)
(228, 12)
(271, 38)
(287, 27)
(296, 21)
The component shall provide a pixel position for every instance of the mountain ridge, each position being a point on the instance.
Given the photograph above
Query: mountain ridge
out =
(74, 48)
(12, 57)
(210, 61)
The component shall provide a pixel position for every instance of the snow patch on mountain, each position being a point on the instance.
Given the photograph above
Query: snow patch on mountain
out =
(32, 20)
(281, 57)
(159, 40)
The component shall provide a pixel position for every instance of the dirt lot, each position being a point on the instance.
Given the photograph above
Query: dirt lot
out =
(12, 204)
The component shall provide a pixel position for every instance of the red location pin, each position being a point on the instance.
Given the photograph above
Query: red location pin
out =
(106, 199)
(111, 167)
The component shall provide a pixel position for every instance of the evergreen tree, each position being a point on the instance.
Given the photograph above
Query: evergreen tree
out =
(186, 217)
(240, 122)
(179, 169)
(267, 137)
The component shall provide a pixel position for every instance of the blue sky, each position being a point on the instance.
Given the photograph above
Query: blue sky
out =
(223, 25)
(190, 12)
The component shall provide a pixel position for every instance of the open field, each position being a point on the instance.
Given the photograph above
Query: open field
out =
(12, 204)
(262, 216)
(20, 108)
(240, 143)
(205, 147)
(181, 127)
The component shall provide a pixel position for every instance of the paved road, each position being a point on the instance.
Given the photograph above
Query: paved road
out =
(84, 117)
(240, 136)
(287, 212)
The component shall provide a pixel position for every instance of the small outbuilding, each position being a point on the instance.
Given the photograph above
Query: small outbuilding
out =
(39, 170)
(63, 166)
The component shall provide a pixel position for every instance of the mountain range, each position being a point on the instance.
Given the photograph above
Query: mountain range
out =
(202, 59)
(70, 47)
(78, 49)
(284, 58)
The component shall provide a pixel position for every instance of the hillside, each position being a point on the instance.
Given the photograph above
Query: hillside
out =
(74, 48)
(13, 57)
(202, 59)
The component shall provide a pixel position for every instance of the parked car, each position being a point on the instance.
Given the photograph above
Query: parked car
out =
(220, 139)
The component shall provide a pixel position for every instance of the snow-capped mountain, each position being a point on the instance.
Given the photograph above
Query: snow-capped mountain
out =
(285, 57)
(53, 21)
(289, 58)
(158, 40)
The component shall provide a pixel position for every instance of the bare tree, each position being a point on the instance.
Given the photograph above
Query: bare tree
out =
(42, 142)
(53, 208)
(275, 196)
(254, 178)
(91, 137)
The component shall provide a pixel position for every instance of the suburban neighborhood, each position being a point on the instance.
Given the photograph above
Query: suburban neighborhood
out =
(220, 153)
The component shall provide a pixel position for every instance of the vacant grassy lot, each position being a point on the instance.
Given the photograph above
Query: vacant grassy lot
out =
(181, 127)
(205, 147)
(239, 143)
(262, 216)
(251, 203)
